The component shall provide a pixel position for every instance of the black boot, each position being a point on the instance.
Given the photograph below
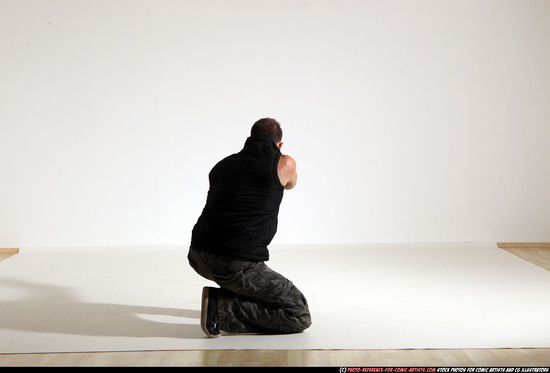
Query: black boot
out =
(209, 312)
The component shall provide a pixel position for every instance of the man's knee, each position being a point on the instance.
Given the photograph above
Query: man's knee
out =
(302, 323)
(305, 320)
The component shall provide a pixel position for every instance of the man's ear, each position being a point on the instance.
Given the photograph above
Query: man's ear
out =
(280, 145)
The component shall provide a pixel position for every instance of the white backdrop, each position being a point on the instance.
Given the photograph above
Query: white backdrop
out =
(411, 121)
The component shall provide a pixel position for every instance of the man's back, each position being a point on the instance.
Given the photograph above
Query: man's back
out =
(240, 215)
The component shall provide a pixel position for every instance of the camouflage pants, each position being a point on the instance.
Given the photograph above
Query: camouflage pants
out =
(252, 297)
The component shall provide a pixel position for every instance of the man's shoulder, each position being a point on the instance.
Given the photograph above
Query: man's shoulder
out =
(287, 162)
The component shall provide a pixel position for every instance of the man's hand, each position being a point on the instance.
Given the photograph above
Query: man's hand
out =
(287, 172)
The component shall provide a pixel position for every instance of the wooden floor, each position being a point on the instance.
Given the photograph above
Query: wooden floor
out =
(298, 358)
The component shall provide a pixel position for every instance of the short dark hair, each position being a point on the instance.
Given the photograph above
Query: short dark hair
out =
(269, 127)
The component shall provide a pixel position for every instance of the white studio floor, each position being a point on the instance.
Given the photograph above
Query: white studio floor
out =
(384, 296)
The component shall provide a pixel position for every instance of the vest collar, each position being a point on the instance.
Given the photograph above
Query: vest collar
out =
(261, 138)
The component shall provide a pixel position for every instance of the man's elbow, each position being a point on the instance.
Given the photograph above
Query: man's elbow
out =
(292, 182)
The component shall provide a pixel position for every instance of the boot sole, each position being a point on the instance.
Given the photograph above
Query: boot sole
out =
(204, 314)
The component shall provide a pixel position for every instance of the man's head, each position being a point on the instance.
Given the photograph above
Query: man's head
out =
(269, 127)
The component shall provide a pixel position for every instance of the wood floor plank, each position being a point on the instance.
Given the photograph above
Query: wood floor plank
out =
(537, 255)
(287, 358)
(7, 253)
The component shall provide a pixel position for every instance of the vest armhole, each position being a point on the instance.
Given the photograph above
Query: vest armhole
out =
(276, 170)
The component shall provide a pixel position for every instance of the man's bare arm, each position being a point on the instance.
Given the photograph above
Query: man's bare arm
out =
(287, 172)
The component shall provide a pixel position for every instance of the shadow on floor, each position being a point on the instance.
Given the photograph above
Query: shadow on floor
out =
(36, 307)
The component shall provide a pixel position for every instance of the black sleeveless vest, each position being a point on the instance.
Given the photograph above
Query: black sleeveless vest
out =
(240, 216)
